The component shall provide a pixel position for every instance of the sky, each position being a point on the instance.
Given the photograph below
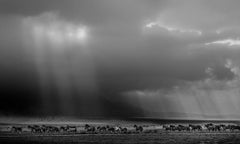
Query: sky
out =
(119, 58)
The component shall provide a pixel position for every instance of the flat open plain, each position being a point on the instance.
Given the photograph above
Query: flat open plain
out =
(161, 138)
(153, 132)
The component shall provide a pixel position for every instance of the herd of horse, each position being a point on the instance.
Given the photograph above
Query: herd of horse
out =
(89, 129)
(74, 129)
(204, 127)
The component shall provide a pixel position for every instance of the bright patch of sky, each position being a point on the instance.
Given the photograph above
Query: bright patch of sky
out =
(173, 28)
(228, 42)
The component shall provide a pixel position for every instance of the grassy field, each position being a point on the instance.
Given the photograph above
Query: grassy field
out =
(161, 138)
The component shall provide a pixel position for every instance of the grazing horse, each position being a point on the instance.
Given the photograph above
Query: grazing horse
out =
(180, 127)
(183, 128)
(211, 128)
(50, 129)
(44, 128)
(195, 127)
(173, 127)
(217, 128)
(138, 128)
(35, 128)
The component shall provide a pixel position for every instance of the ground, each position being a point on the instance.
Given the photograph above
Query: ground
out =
(161, 138)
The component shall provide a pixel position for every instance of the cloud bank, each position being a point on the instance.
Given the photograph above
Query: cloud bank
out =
(208, 98)
(109, 57)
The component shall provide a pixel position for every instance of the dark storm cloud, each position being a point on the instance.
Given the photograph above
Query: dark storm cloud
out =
(137, 48)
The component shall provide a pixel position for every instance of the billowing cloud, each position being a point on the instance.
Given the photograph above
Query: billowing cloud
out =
(209, 71)
(228, 42)
(172, 29)
(233, 68)
(155, 52)
(50, 27)
(207, 98)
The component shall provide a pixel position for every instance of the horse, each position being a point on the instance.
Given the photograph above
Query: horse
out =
(123, 130)
(35, 128)
(138, 128)
(117, 129)
(101, 129)
(71, 128)
(89, 128)
(16, 129)
(183, 128)
(110, 129)
(166, 127)
(195, 127)
(63, 129)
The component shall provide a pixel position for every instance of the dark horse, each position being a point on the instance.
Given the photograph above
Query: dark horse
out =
(138, 128)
